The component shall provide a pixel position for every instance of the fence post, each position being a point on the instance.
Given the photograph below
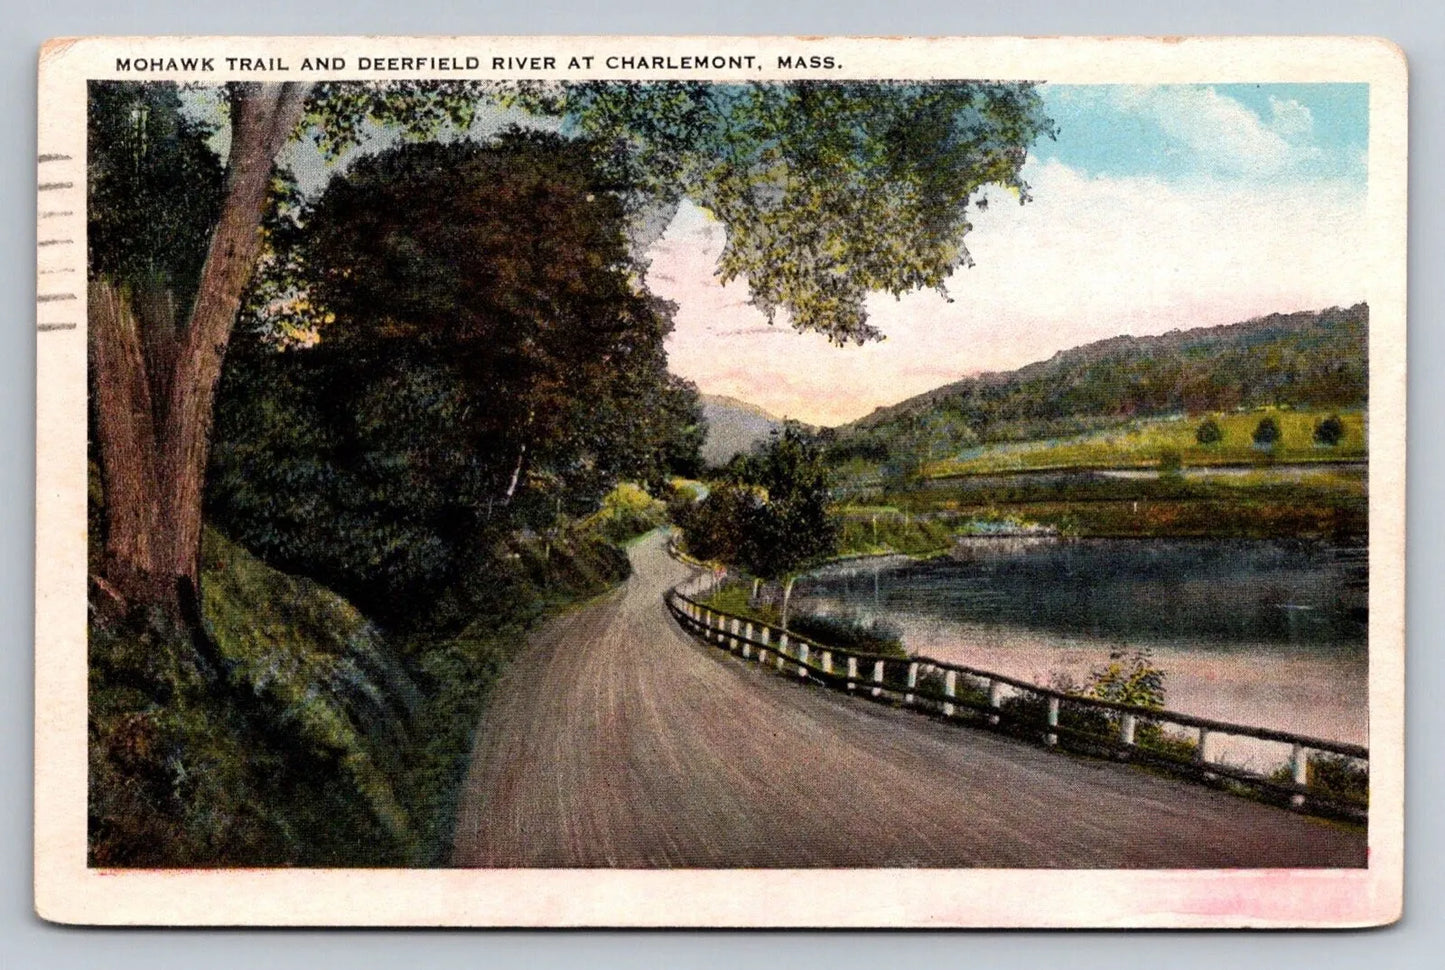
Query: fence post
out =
(1300, 772)
(733, 641)
(912, 683)
(877, 677)
(852, 672)
(782, 648)
(827, 661)
(1201, 753)
(747, 633)
(950, 685)
(1051, 738)
(802, 659)
(1126, 729)
(995, 699)
(764, 635)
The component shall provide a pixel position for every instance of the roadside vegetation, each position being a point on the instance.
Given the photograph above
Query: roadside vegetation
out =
(302, 733)
(410, 465)
(349, 441)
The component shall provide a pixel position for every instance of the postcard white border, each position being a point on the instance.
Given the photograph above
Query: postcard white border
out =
(67, 891)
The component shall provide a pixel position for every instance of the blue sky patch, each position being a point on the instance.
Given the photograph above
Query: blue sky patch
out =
(1230, 132)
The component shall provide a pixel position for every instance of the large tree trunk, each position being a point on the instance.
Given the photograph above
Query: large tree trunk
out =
(125, 433)
(154, 477)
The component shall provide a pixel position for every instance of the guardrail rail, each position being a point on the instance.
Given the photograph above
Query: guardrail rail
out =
(955, 692)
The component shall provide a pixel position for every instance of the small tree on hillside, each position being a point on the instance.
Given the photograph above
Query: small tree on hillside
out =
(1330, 431)
(1266, 433)
(1209, 433)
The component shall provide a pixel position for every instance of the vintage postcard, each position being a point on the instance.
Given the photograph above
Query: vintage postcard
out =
(720, 481)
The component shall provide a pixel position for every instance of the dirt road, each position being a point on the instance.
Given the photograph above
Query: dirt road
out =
(617, 740)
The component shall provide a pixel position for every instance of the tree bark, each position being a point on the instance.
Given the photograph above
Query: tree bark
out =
(154, 450)
(125, 432)
(262, 119)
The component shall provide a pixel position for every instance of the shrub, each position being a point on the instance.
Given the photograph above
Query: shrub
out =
(1128, 678)
(1266, 433)
(1332, 775)
(1330, 431)
(1170, 462)
(627, 511)
(1209, 433)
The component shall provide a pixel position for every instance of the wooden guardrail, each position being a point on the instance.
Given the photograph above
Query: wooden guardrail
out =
(1023, 709)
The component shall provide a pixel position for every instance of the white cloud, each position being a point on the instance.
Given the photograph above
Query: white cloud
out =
(1290, 118)
(1224, 135)
(1088, 259)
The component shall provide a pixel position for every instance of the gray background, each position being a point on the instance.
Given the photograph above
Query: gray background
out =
(25, 941)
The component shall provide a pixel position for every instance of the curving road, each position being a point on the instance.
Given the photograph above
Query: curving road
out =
(617, 740)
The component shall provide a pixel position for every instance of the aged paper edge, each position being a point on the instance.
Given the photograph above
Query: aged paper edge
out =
(67, 891)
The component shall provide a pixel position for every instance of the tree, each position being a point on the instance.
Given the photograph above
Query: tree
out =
(483, 357)
(829, 191)
(508, 262)
(1329, 432)
(1209, 432)
(775, 516)
(154, 409)
(1266, 433)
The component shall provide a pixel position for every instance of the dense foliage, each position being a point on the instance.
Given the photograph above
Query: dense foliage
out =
(772, 518)
(482, 359)
(154, 190)
(828, 190)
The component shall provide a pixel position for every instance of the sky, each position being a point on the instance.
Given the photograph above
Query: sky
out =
(1156, 209)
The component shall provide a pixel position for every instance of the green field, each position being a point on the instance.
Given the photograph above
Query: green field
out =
(1145, 442)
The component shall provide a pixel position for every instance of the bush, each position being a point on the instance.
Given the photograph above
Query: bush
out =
(1331, 775)
(627, 511)
(1171, 462)
(1330, 431)
(1266, 433)
(1128, 678)
(1209, 433)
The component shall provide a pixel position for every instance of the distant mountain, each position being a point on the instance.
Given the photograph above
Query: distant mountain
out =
(1311, 359)
(733, 426)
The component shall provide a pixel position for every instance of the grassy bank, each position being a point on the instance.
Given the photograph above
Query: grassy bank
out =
(295, 732)
(1262, 504)
(924, 530)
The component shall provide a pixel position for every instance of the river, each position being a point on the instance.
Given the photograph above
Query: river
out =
(1267, 633)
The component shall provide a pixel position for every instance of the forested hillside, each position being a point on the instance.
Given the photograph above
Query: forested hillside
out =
(1312, 359)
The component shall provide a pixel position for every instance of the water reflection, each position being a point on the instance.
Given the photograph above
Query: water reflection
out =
(1267, 633)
